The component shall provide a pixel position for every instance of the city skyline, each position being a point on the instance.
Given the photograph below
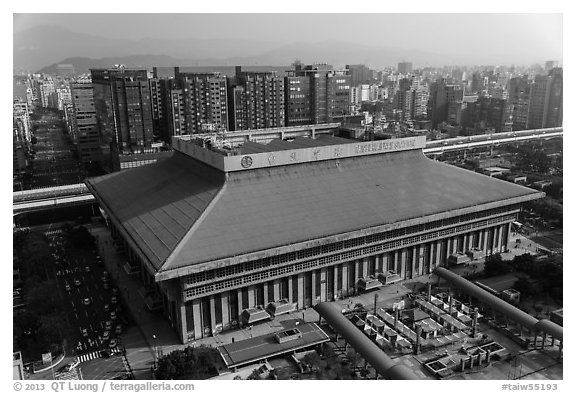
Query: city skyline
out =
(424, 38)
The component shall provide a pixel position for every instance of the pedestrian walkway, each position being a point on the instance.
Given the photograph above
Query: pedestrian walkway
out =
(148, 324)
(89, 356)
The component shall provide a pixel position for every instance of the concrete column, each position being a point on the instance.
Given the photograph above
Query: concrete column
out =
(334, 277)
(467, 239)
(421, 260)
(314, 294)
(197, 314)
(494, 239)
(437, 251)
(498, 236)
(345, 284)
(402, 262)
(356, 272)
(240, 308)
(364, 267)
(212, 313)
(301, 290)
(290, 289)
(251, 296)
(265, 298)
(323, 284)
(379, 264)
(277, 292)
(484, 241)
(183, 324)
(506, 235)
(225, 309)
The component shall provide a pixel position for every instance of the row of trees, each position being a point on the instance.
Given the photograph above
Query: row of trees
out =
(542, 276)
(40, 326)
(189, 363)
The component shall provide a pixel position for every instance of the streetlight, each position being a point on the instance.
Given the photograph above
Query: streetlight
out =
(154, 344)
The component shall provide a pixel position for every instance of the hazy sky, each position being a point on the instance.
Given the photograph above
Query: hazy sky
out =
(440, 33)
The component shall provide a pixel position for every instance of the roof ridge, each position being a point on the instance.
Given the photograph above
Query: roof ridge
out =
(190, 232)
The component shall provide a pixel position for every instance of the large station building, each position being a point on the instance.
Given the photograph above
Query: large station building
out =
(218, 230)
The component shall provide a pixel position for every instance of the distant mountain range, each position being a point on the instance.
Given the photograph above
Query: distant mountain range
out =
(42, 48)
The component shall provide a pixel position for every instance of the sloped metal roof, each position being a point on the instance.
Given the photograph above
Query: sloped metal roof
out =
(181, 212)
(157, 204)
(279, 206)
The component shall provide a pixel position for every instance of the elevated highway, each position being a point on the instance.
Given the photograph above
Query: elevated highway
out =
(490, 140)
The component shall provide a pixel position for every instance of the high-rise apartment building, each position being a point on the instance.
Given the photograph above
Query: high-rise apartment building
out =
(478, 83)
(256, 100)
(84, 122)
(549, 65)
(405, 67)
(359, 74)
(205, 100)
(442, 95)
(316, 94)
(545, 108)
(553, 114)
(124, 112)
(518, 101)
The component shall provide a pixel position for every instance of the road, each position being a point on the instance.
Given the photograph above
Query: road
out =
(53, 164)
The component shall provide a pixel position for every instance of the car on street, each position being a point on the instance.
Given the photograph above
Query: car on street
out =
(77, 282)
(106, 307)
(108, 325)
(84, 332)
(68, 287)
(105, 277)
(72, 365)
(86, 301)
(113, 343)
(106, 335)
(114, 299)
(87, 269)
(118, 330)
(113, 315)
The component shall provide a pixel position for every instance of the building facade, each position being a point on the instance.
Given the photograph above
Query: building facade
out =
(84, 125)
(316, 94)
(404, 67)
(123, 107)
(205, 100)
(211, 243)
(257, 99)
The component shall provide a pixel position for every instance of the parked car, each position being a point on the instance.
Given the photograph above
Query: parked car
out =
(114, 299)
(108, 325)
(118, 330)
(84, 332)
(113, 343)
(113, 315)
(86, 301)
(87, 269)
(106, 307)
(68, 287)
(77, 282)
(106, 335)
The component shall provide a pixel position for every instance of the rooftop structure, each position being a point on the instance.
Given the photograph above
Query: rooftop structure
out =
(232, 226)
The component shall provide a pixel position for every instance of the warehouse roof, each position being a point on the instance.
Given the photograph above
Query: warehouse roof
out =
(182, 213)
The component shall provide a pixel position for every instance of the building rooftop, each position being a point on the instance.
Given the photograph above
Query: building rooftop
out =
(192, 209)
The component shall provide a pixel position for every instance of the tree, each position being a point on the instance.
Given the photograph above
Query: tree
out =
(495, 266)
(190, 363)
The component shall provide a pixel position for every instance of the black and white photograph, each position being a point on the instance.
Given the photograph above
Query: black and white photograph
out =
(228, 193)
